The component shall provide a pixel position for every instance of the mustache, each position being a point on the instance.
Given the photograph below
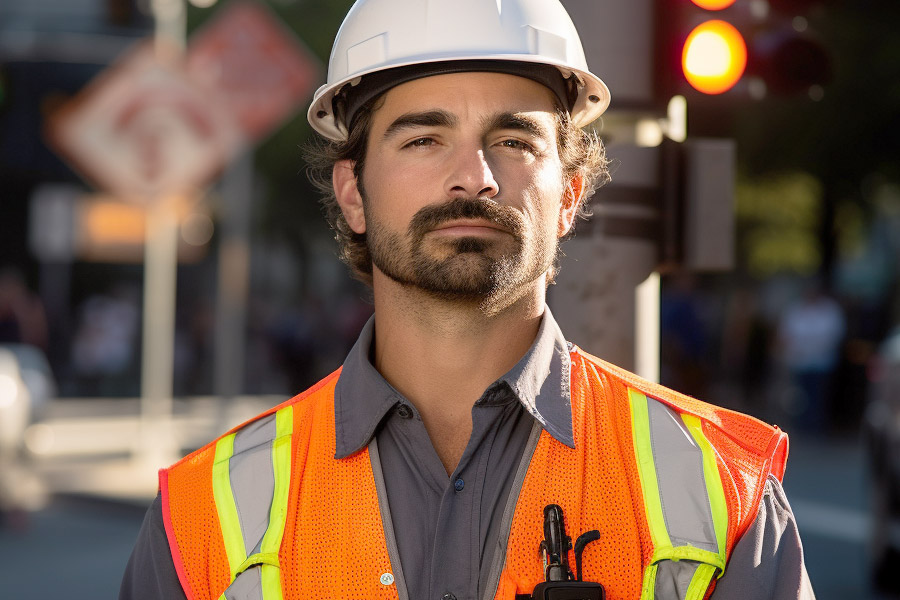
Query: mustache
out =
(429, 217)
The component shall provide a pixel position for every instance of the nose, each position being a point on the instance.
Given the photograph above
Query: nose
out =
(470, 175)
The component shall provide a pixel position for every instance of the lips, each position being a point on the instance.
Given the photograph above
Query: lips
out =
(470, 224)
(466, 213)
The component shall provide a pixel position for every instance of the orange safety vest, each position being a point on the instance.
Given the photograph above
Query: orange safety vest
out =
(671, 484)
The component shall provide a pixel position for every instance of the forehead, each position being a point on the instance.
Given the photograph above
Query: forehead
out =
(466, 95)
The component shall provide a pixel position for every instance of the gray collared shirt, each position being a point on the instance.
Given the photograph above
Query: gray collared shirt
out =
(447, 528)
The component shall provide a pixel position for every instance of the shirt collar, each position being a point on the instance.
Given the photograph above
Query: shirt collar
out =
(540, 382)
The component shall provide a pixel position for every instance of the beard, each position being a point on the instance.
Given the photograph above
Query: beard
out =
(484, 270)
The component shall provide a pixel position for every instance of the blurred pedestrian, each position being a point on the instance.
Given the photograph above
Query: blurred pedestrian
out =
(464, 443)
(810, 336)
(104, 349)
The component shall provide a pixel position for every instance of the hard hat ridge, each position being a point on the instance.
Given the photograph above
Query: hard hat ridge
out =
(521, 37)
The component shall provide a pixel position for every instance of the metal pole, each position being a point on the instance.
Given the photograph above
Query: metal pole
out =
(646, 327)
(160, 269)
(233, 285)
(156, 443)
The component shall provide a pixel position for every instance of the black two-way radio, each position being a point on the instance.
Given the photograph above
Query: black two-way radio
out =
(560, 583)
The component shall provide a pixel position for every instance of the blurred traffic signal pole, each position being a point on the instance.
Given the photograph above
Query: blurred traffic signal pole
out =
(670, 204)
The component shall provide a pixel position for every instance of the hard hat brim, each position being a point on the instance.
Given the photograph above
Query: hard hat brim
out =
(591, 101)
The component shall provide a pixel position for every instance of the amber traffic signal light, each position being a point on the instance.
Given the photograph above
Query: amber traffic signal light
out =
(714, 57)
(713, 4)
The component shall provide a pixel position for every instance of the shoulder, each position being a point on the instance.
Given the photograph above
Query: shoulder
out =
(767, 562)
(737, 432)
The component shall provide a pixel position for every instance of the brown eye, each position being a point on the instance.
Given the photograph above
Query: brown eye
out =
(420, 142)
(517, 145)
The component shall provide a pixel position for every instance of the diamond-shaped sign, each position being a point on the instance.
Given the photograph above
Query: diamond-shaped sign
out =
(142, 129)
(254, 65)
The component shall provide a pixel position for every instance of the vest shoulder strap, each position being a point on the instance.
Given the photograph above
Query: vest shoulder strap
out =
(702, 472)
(244, 479)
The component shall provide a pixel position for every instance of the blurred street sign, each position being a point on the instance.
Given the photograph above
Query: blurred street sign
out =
(142, 130)
(69, 224)
(253, 65)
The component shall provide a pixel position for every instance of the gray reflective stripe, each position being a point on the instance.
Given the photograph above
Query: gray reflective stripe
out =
(253, 479)
(673, 578)
(684, 500)
(247, 586)
(682, 487)
(386, 521)
(499, 560)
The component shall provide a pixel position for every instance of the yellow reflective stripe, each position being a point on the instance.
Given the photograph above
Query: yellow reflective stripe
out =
(225, 506)
(643, 450)
(714, 489)
(281, 468)
(700, 582)
(270, 577)
(648, 590)
(688, 553)
(260, 558)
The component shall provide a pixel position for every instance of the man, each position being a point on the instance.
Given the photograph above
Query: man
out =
(464, 440)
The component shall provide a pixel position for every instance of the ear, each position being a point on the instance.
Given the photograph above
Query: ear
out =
(570, 201)
(347, 194)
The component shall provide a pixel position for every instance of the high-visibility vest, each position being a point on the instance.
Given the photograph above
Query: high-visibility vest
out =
(670, 483)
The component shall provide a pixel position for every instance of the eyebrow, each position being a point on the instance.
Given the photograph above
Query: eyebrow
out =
(429, 118)
(518, 122)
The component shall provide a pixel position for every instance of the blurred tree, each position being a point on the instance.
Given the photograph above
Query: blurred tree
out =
(846, 136)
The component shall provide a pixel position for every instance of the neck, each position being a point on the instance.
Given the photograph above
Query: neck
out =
(442, 355)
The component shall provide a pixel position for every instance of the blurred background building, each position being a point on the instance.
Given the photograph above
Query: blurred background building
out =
(770, 209)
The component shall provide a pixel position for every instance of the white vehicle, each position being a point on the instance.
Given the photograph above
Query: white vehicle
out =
(882, 429)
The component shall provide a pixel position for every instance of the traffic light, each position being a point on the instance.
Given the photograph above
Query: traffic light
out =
(709, 46)
(701, 47)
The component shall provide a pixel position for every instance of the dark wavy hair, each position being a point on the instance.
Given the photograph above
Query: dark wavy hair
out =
(581, 152)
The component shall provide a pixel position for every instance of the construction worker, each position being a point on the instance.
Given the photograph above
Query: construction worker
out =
(464, 444)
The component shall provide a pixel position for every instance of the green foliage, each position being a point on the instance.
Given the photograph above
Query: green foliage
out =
(778, 218)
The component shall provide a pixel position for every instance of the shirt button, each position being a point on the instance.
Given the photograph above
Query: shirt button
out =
(404, 411)
(448, 597)
(458, 485)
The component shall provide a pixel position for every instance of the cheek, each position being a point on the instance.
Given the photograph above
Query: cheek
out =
(544, 200)
(393, 200)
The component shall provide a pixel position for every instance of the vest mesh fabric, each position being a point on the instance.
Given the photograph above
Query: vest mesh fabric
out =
(592, 485)
(334, 544)
(195, 526)
(334, 538)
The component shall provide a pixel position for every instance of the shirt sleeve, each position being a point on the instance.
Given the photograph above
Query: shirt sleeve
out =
(767, 562)
(150, 573)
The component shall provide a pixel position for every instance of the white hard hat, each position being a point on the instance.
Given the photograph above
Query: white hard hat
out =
(416, 38)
